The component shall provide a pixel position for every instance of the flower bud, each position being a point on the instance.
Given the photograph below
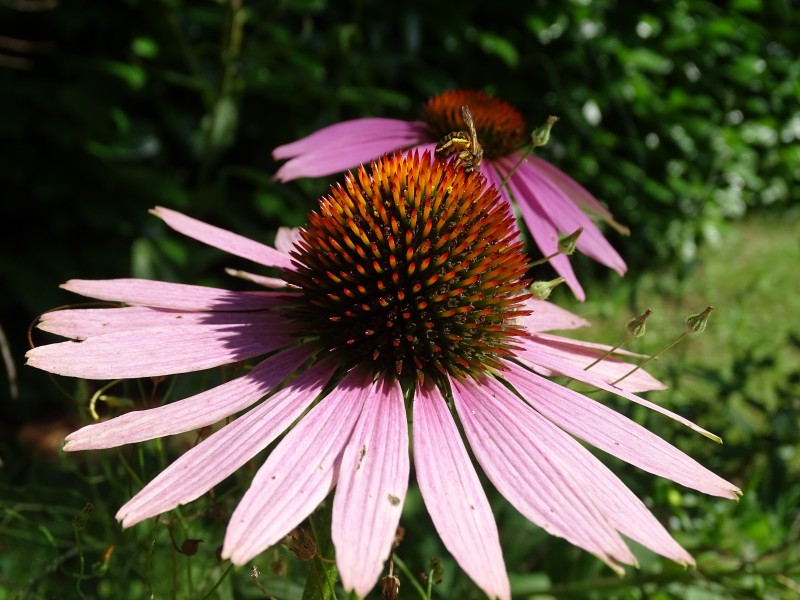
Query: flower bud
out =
(697, 323)
(566, 245)
(541, 290)
(636, 327)
(541, 135)
(390, 587)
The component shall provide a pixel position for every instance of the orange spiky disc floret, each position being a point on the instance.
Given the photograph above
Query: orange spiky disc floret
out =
(412, 266)
(500, 127)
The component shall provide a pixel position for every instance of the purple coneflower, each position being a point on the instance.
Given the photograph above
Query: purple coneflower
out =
(549, 201)
(406, 303)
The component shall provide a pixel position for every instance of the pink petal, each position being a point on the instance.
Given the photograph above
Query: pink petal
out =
(298, 474)
(453, 494)
(190, 413)
(544, 233)
(267, 282)
(224, 240)
(165, 350)
(286, 238)
(179, 296)
(345, 145)
(611, 368)
(614, 433)
(510, 441)
(227, 449)
(83, 323)
(546, 316)
(373, 478)
(537, 189)
(623, 510)
(538, 355)
(570, 188)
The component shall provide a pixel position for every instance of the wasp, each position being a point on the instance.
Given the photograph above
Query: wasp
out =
(470, 152)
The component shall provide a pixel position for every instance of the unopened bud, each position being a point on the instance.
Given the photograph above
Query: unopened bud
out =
(436, 572)
(541, 290)
(301, 542)
(390, 587)
(566, 245)
(636, 327)
(189, 547)
(541, 135)
(697, 323)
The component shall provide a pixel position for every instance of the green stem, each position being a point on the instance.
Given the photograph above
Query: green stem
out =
(528, 150)
(651, 357)
(410, 577)
(322, 587)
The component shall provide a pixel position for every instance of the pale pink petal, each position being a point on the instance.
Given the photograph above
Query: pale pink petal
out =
(267, 282)
(544, 359)
(82, 323)
(623, 510)
(546, 316)
(578, 344)
(191, 413)
(179, 296)
(544, 233)
(453, 494)
(222, 239)
(298, 474)
(611, 368)
(537, 189)
(167, 350)
(227, 449)
(373, 478)
(345, 145)
(510, 441)
(286, 238)
(614, 433)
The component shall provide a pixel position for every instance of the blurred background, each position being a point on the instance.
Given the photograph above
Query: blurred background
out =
(683, 117)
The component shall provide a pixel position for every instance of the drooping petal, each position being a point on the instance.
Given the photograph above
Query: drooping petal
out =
(298, 474)
(191, 413)
(546, 316)
(618, 505)
(544, 233)
(614, 433)
(611, 368)
(453, 494)
(347, 144)
(227, 449)
(538, 355)
(222, 239)
(571, 188)
(178, 296)
(509, 441)
(164, 350)
(373, 478)
(537, 188)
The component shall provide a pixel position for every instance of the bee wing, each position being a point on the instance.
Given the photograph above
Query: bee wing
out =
(473, 135)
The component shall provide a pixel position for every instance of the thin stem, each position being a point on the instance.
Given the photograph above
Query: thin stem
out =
(609, 352)
(652, 357)
(528, 150)
(410, 577)
(218, 583)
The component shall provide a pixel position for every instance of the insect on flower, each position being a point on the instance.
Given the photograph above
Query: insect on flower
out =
(470, 152)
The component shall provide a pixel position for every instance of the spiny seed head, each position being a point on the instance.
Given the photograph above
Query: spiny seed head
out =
(500, 127)
(411, 266)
